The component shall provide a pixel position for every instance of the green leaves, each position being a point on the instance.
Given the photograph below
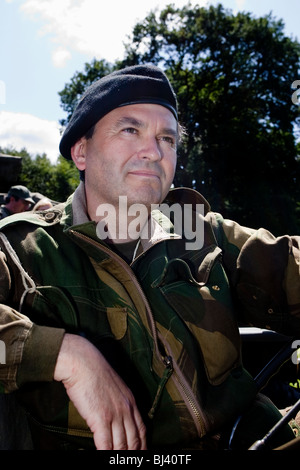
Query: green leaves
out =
(55, 181)
(233, 76)
(72, 92)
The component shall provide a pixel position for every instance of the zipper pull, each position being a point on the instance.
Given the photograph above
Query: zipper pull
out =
(167, 360)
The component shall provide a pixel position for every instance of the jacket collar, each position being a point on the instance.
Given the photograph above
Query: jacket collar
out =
(159, 227)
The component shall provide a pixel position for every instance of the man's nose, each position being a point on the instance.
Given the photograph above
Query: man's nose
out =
(150, 149)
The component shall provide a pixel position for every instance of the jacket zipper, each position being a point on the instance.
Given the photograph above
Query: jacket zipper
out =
(190, 401)
(170, 365)
(129, 271)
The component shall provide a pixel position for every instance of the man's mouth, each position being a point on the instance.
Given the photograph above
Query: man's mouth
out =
(144, 173)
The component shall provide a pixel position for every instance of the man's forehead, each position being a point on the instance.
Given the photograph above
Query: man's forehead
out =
(140, 115)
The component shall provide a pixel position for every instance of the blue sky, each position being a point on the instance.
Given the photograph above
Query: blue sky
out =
(44, 42)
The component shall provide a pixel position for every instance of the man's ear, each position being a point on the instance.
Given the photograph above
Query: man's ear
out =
(78, 154)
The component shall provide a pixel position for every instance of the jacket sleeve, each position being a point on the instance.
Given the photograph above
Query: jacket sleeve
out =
(264, 271)
(28, 351)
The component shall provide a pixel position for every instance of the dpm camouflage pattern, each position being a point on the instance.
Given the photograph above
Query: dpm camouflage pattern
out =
(167, 323)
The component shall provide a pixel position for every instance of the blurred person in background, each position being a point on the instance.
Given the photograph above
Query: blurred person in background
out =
(18, 199)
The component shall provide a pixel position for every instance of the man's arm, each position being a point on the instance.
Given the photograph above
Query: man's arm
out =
(265, 273)
(100, 396)
(40, 353)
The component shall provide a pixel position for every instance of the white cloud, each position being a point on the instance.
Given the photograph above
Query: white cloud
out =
(38, 136)
(240, 4)
(85, 26)
(60, 56)
(88, 26)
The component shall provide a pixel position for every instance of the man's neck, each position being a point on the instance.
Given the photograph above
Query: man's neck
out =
(116, 224)
(128, 251)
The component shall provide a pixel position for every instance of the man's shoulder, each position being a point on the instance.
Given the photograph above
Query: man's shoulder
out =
(4, 212)
(184, 195)
(44, 218)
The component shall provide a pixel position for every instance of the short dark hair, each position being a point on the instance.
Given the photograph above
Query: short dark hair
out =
(8, 198)
(89, 134)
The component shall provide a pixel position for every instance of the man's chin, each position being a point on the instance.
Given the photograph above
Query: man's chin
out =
(146, 197)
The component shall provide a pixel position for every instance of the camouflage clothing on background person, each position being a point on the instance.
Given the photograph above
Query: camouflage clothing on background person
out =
(167, 322)
(18, 199)
(4, 212)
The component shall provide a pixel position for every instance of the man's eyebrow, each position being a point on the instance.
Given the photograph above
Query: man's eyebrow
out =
(132, 121)
(127, 120)
(169, 131)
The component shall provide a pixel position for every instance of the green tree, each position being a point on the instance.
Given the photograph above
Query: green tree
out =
(65, 179)
(71, 94)
(55, 181)
(233, 76)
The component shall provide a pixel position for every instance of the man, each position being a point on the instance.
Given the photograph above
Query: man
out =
(18, 200)
(121, 331)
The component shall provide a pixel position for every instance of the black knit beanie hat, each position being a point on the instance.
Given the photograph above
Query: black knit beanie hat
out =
(131, 85)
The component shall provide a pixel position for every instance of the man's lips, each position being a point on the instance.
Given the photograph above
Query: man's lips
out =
(144, 173)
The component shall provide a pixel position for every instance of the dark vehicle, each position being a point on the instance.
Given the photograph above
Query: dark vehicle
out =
(10, 168)
(273, 359)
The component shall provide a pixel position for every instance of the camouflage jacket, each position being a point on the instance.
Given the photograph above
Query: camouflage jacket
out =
(167, 322)
(4, 212)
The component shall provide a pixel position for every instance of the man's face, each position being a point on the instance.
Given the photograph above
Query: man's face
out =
(132, 153)
(19, 205)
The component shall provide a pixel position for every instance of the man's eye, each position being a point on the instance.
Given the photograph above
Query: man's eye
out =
(130, 130)
(168, 139)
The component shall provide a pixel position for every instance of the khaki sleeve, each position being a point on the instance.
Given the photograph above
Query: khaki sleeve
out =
(264, 272)
(268, 282)
(28, 351)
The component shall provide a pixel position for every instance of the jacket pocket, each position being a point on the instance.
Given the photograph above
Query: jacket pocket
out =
(54, 306)
(197, 290)
(50, 306)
